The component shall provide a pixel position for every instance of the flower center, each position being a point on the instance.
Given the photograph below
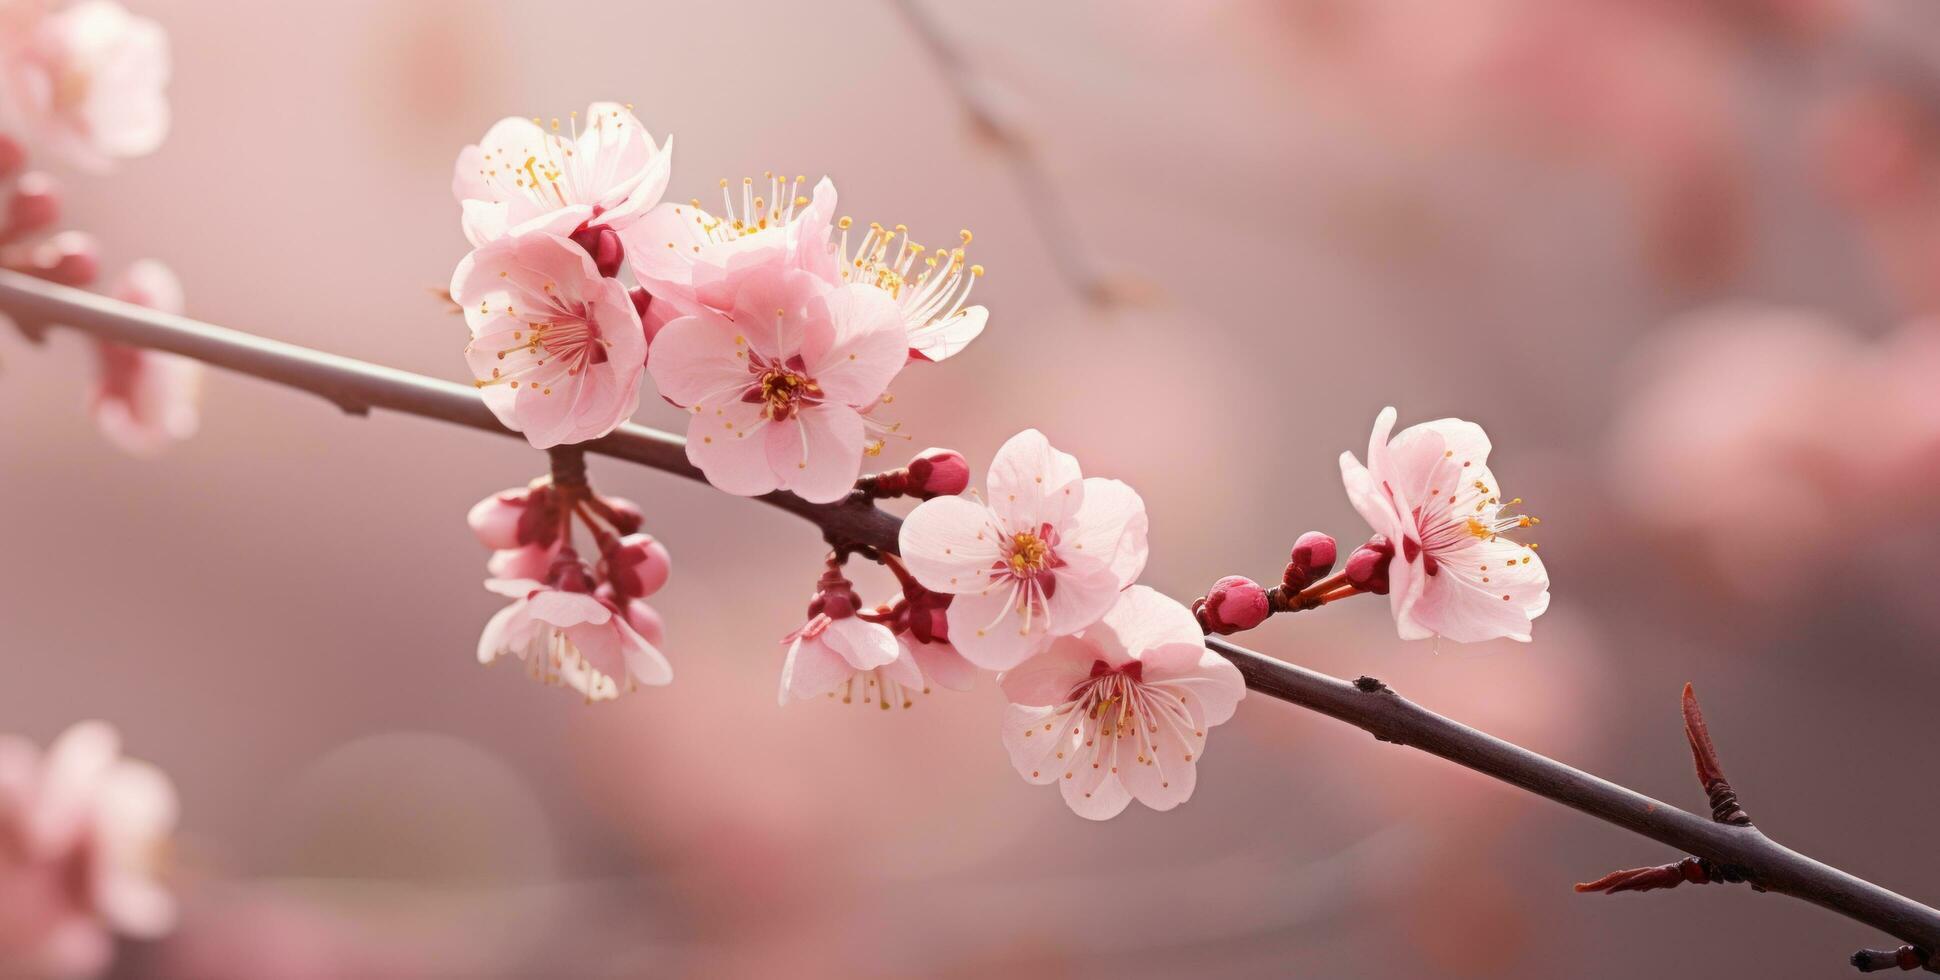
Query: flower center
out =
(1028, 554)
(781, 389)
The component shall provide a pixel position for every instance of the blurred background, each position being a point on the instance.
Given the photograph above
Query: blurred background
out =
(1674, 256)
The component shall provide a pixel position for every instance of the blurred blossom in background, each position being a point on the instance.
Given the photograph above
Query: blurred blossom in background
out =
(1678, 258)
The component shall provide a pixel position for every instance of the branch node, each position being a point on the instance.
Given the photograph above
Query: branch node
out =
(1907, 958)
(1710, 774)
(568, 466)
(1369, 685)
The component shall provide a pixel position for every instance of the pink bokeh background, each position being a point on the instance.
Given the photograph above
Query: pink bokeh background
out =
(1522, 212)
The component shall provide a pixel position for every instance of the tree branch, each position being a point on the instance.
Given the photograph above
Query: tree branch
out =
(1367, 704)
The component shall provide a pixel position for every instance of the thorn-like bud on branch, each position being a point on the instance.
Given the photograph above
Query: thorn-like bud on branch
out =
(1235, 603)
(1710, 774)
(36, 204)
(637, 565)
(603, 244)
(1879, 960)
(1367, 567)
(931, 473)
(1313, 557)
(1696, 871)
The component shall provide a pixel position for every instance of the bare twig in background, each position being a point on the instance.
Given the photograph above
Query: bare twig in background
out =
(856, 523)
(1042, 202)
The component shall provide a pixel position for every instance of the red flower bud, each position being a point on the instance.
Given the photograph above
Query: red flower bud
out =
(637, 565)
(1313, 557)
(1367, 567)
(938, 473)
(603, 244)
(1235, 603)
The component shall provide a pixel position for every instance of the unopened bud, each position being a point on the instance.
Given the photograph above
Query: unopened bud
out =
(1313, 557)
(938, 473)
(1233, 604)
(496, 520)
(36, 204)
(603, 244)
(637, 565)
(625, 515)
(69, 258)
(569, 574)
(13, 156)
(1367, 567)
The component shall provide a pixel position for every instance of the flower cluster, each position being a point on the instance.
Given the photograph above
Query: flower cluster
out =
(83, 84)
(583, 625)
(778, 335)
(779, 328)
(83, 833)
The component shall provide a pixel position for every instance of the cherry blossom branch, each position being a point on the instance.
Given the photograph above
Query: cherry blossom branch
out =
(1727, 848)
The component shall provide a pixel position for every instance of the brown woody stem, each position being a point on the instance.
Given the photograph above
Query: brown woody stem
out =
(856, 524)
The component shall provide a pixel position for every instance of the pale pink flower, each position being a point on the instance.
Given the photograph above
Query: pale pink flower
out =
(1044, 557)
(828, 653)
(604, 172)
(567, 635)
(1119, 710)
(930, 286)
(557, 349)
(920, 619)
(87, 82)
(82, 834)
(778, 385)
(1430, 493)
(144, 400)
(695, 262)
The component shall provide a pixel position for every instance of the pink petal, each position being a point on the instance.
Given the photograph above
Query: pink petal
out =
(1050, 677)
(565, 609)
(948, 336)
(1111, 524)
(812, 669)
(941, 664)
(818, 454)
(694, 357)
(1086, 588)
(864, 645)
(1457, 604)
(867, 347)
(986, 628)
(1141, 620)
(948, 544)
(733, 461)
(499, 632)
(1032, 484)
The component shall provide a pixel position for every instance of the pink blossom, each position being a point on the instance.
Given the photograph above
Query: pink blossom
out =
(87, 81)
(778, 385)
(144, 400)
(566, 635)
(1119, 710)
(1045, 557)
(82, 832)
(557, 349)
(696, 262)
(605, 172)
(1429, 492)
(829, 653)
(930, 286)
